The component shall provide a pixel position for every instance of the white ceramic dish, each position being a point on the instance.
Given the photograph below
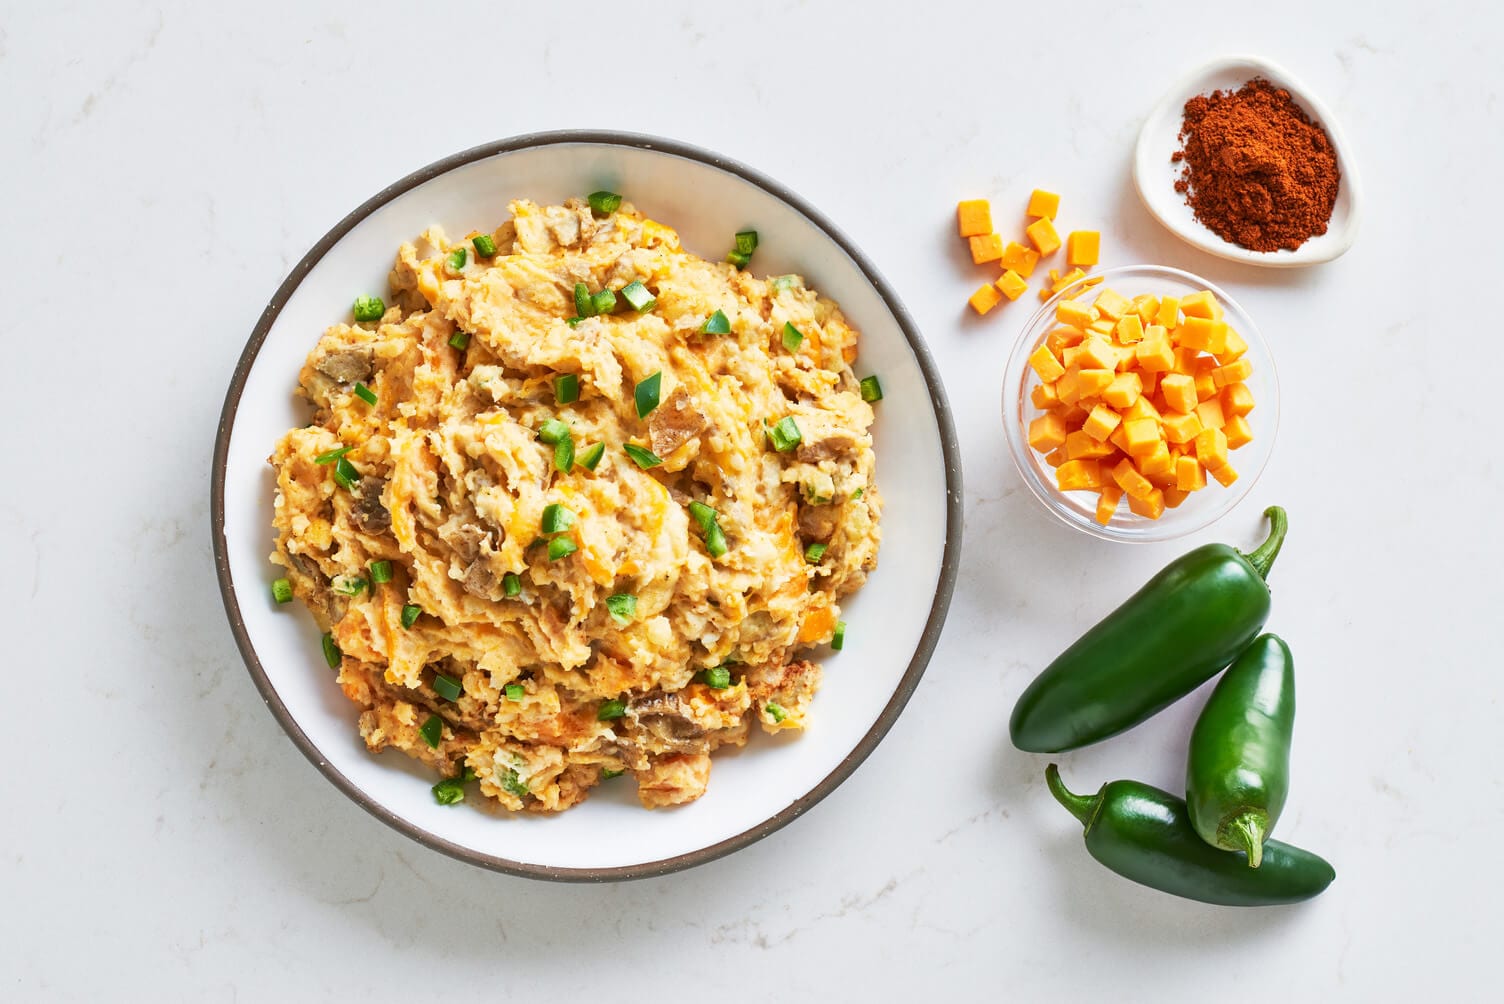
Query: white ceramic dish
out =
(892, 628)
(1155, 175)
(1078, 509)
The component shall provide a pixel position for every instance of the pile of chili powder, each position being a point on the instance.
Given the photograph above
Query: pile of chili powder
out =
(1256, 170)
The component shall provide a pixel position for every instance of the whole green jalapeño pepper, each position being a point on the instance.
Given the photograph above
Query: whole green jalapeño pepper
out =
(1238, 770)
(1145, 834)
(1173, 635)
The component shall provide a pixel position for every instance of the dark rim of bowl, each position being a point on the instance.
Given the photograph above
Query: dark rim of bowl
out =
(948, 569)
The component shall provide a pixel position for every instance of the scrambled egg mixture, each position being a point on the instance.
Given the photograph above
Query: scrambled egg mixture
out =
(504, 611)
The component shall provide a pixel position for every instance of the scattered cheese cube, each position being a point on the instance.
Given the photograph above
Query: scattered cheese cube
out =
(1142, 436)
(1236, 372)
(1130, 480)
(1210, 414)
(1093, 382)
(1020, 259)
(1101, 422)
(1107, 502)
(1179, 392)
(1044, 396)
(1181, 428)
(1074, 313)
(985, 298)
(1083, 247)
(1012, 285)
(1238, 432)
(1154, 354)
(985, 248)
(1046, 365)
(974, 217)
(1202, 334)
(1047, 432)
(1042, 203)
(1078, 475)
(1190, 476)
(1080, 445)
(1169, 312)
(1237, 399)
(1156, 462)
(1123, 391)
(1042, 233)
(1111, 304)
(1211, 448)
(1150, 506)
(1225, 475)
(1202, 304)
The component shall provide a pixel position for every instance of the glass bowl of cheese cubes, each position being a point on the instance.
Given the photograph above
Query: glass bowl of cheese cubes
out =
(1140, 403)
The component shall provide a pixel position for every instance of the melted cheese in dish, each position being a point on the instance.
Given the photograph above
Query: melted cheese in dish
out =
(448, 481)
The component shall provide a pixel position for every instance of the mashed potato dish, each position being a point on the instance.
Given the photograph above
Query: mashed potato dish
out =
(575, 503)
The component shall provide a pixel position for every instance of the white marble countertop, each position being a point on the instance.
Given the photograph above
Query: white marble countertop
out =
(165, 165)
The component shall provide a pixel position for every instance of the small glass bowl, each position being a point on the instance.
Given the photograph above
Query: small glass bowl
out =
(1202, 508)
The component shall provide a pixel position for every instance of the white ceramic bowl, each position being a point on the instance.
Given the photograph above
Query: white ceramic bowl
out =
(893, 623)
(1078, 509)
(1155, 175)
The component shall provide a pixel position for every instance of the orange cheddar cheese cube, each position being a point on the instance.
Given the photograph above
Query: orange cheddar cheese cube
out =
(1146, 306)
(1101, 326)
(1043, 236)
(1225, 475)
(1238, 432)
(1141, 409)
(1150, 506)
(1047, 432)
(1075, 313)
(1111, 304)
(1058, 457)
(1107, 502)
(1202, 304)
(1154, 354)
(1181, 428)
(1210, 414)
(1211, 449)
(1202, 334)
(1044, 204)
(1063, 338)
(1150, 381)
(1068, 387)
(1235, 348)
(1044, 363)
(1070, 278)
(1179, 392)
(1124, 390)
(1169, 312)
(1237, 399)
(1130, 329)
(1101, 423)
(1206, 387)
(1019, 258)
(985, 298)
(985, 248)
(1142, 436)
(1044, 396)
(974, 217)
(1235, 372)
(1012, 285)
(1078, 475)
(1156, 462)
(1080, 445)
(1174, 496)
(1130, 480)
(1098, 353)
(1083, 247)
(1092, 382)
(1190, 476)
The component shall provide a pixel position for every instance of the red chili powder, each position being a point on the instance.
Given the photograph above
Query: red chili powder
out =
(1257, 171)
